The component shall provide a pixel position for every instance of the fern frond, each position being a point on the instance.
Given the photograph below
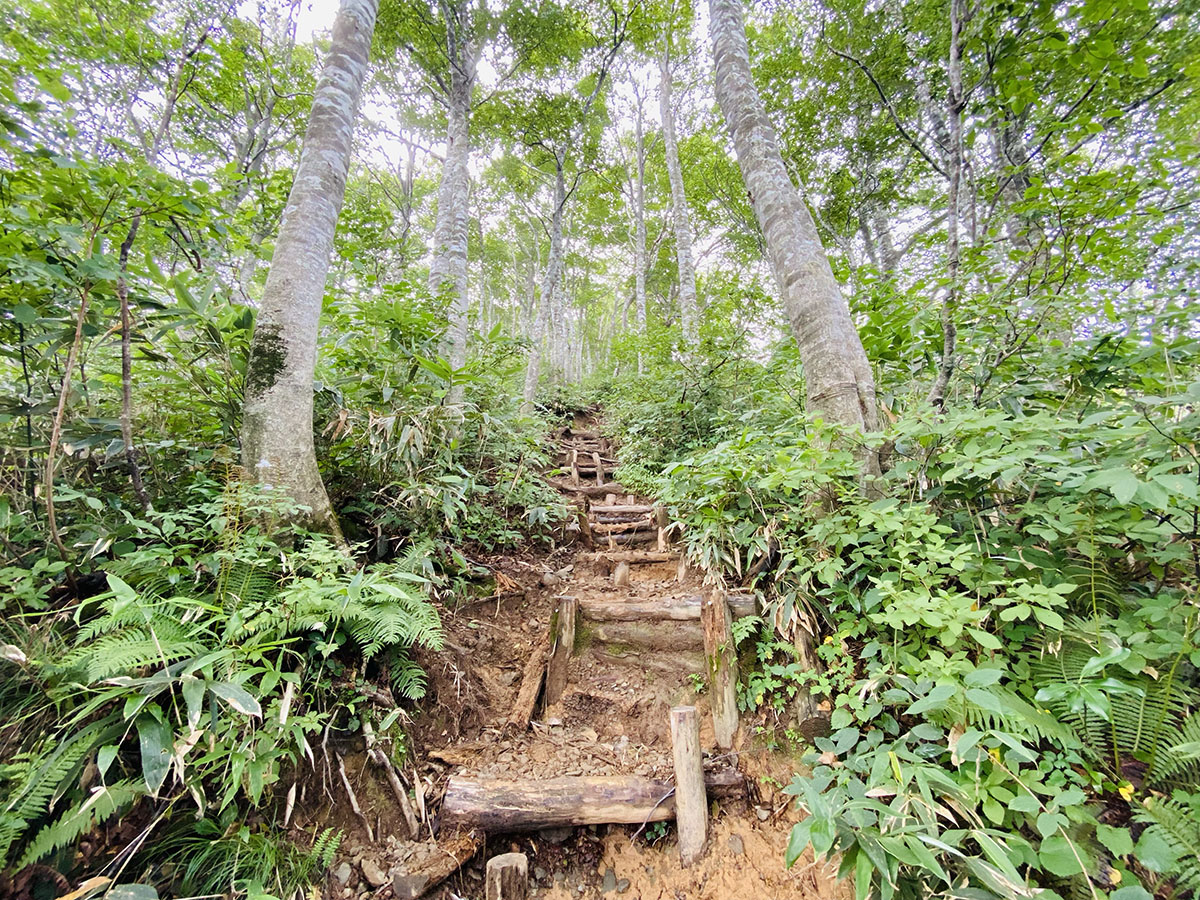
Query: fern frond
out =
(408, 678)
(102, 804)
(1177, 823)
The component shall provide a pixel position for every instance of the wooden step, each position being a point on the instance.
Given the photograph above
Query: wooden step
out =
(649, 634)
(623, 527)
(499, 805)
(610, 558)
(590, 490)
(618, 509)
(677, 609)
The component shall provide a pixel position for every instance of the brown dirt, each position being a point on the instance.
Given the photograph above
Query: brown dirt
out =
(612, 720)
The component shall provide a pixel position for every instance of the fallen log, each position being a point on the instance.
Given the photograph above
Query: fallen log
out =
(564, 644)
(433, 870)
(505, 805)
(676, 609)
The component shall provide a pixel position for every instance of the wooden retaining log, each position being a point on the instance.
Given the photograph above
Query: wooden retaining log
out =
(660, 635)
(632, 537)
(633, 557)
(454, 851)
(621, 527)
(500, 805)
(531, 681)
(720, 660)
(691, 801)
(678, 609)
(588, 490)
(560, 655)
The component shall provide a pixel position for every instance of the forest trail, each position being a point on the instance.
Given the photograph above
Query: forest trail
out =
(515, 709)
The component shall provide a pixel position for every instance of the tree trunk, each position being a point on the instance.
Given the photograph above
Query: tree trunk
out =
(639, 228)
(448, 266)
(688, 306)
(277, 430)
(839, 382)
(550, 284)
(954, 109)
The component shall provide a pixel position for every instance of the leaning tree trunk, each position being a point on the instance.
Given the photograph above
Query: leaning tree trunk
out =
(688, 306)
(448, 266)
(277, 428)
(840, 386)
(839, 382)
(550, 285)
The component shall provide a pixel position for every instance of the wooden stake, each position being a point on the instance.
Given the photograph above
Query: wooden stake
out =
(560, 656)
(507, 877)
(574, 468)
(599, 468)
(691, 801)
(721, 662)
(621, 575)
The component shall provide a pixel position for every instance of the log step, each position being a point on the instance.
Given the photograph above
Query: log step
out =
(671, 609)
(624, 509)
(590, 490)
(633, 557)
(501, 805)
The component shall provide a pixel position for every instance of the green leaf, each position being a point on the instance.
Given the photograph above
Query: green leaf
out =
(1118, 841)
(1154, 852)
(237, 697)
(155, 740)
(1131, 892)
(1058, 857)
(132, 892)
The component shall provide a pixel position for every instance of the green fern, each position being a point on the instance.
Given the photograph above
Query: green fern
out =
(408, 678)
(103, 803)
(1176, 822)
(1144, 724)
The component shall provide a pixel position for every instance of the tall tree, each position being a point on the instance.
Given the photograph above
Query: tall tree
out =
(688, 305)
(639, 222)
(277, 431)
(448, 266)
(837, 374)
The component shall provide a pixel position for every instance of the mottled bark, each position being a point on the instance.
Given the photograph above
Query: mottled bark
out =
(550, 284)
(639, 226)
(954, 165)
(681, 223)
(277, 431)
(448, 265)
(839, 382)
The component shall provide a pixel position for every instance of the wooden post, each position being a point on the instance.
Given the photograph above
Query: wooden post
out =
(507, 877)
(691, 801)
(681, 571)
(721, 661)
(560, 656)
(585, 524)
(621, 575)
(574, 468)
(599, 468)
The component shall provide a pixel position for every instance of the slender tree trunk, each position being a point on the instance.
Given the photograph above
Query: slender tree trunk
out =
(839, 382)
(688, 305)
(277, 429)
(448, 266)
(639, 228)
(550, 285)
(954, 110)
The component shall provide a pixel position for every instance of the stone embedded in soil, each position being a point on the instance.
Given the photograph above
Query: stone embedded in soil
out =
(622, 885)
(408, 887)
(763, 814)
(375, 876)
(736, 844)
(554, 835)
(342, 874)
(539, 874)
(609, 883)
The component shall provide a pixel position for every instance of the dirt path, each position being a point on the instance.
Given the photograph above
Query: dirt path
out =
(611, 719)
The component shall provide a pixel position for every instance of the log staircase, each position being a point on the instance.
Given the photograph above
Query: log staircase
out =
(608, 726)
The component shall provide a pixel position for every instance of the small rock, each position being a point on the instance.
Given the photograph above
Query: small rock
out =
(554, 835)
(609, 883)
(551, 580)
(736, 844)
(408, 887)
(763, 814)
(560, 877)
(622, 885)
(375, 876)
(342, 874)
(539, 874)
